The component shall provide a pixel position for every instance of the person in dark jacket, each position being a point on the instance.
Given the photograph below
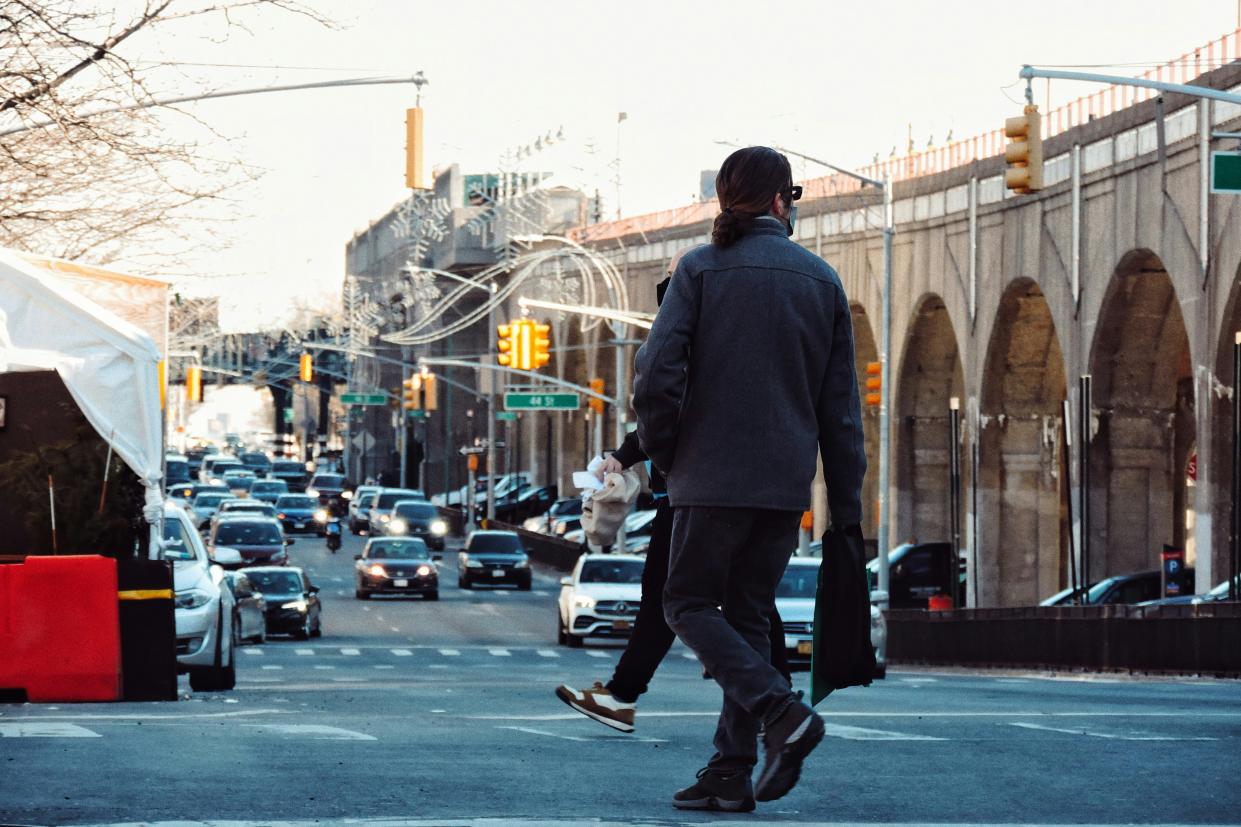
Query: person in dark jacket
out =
(752, 349)
(615, 703)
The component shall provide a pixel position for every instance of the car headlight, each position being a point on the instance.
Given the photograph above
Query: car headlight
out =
(561, 528)
(583, 603)
(439, 528)
(320, 516)
(383, 518)
(377, 571)
(423, 571)
(300, 605)
(473, 564)
(191, 599)
(310, 492)
(398, 526)
(346, 495)
(524, 563)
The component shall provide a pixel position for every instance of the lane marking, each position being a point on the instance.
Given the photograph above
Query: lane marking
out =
(272, 666)
(384, 666)
(351, 652)
(500, 653)
(315, 732)
(32, 729)
(541, 593)
(324, 667)
(449, 653)
(150, 717)
(304, 652)
(402, 653)
(393, 628)
(252, 651)
(853, 733)
(547, 653)
(610, 738)
(1114, 736)
(594, 653)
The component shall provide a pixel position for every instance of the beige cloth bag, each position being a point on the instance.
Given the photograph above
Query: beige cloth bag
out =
(605, 509)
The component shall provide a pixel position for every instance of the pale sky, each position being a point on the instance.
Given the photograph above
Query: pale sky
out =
(839, 81)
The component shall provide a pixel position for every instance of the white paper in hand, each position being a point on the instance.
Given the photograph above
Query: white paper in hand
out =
(586, 480)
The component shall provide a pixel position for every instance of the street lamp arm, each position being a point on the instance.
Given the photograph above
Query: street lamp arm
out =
(233, 93)
(1032, 72)
(870, 182)
(435, 361)
(642, 320)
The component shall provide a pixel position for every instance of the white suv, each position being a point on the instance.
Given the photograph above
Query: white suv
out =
(204, 605)
(600, 598)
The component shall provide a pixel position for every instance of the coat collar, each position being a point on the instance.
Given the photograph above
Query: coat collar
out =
(767, 225)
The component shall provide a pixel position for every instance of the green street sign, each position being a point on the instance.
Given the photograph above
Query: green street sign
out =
(506, 416)
(1226, 173)
(542, 401)
(363, 399)
(417, 414)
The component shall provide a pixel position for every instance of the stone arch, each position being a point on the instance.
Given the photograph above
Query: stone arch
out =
(930, 375)
(1023, 521)
(1143, 420)
(864, 351)
(1220, 400)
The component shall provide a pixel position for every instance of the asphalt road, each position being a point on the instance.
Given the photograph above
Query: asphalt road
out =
(442, 713)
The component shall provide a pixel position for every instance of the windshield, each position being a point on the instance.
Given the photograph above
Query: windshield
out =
(567, 507)
(416, 511)
(1099, 589)
(276, 582)
(798, 581)
(254, 459)
(248, 507)
(239, 482)
(209, 500)
(412, 549)
(1221, 591)
(500, 543)
(267, 486)
(286, 466)
(177, 548)
(387, 499)
(297, 501)
(248, 534)
(367, 500)
(611, 571)
(327, 481)
(178, 469)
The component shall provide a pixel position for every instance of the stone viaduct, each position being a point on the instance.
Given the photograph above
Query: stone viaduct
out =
(1123, 267)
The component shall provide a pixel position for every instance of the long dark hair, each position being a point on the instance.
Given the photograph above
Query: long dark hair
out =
(745, 185)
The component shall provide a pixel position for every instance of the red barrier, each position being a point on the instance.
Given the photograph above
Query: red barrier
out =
(60, 634)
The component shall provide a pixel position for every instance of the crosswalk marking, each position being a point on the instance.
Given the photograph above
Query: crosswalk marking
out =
(393, 628)
(384, 666)
(252, 651)
(321, 666)
(350, 652)
(272, 666)
(854, 733)
(594, 653)
(315, 732)
(449, 653)
(45, 729)
(1115, 736)
(547, 653)
(304, 651)
(500, 653)
(402, 653)
(689, 656)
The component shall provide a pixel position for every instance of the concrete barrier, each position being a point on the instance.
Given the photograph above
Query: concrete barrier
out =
(1203, 639)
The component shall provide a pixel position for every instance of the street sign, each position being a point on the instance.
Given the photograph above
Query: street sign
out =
(1226, 173)
(363, 399)
(506, 416)
(364, 442)
(417, 414)
(542, 401)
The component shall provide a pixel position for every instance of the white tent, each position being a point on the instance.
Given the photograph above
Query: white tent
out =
(110, 367)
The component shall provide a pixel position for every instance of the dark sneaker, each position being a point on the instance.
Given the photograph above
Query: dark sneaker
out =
(788, 740)
(600, 704)
(726, 792)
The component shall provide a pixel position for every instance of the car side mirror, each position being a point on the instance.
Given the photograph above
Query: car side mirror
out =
(313, 590)
(288, 541)
(566, 581)
(435, 558)
(357, 557)
(224, 556)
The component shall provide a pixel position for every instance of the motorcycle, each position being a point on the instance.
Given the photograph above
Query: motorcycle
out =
(332, 532)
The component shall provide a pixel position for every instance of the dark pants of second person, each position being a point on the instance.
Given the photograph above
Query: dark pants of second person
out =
(651, 637)
(732, 558)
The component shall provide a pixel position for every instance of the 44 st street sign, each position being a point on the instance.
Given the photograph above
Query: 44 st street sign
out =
(362, 399)
(542, 401)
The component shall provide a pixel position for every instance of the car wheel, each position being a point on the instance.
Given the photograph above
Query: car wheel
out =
(562, 637)
(318, 630)
(236, 631)
(353, 528)
(304, 632)
(361, 594)
(261, 637)
(574, 641)
(435, 595)
(524, 585)
(463, 583)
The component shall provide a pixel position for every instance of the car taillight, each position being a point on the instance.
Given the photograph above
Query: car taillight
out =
(281, 515)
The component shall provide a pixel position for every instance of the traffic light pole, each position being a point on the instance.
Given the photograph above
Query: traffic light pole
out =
(491, 422)
(622, 382)
(1031, 72)
(885, 394)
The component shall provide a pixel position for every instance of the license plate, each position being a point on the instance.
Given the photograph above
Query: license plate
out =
(497, 572)
(805, 647)
(621, 625)
(400, 584)
(299, 525)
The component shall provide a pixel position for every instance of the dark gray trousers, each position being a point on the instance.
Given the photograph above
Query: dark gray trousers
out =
(721, 591)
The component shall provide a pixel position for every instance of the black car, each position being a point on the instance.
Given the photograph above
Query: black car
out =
(918, 572)
(291, 471)
(516, 507)
(292, 602)
(176, 471)
(331, 489)
(257, 462)
(396, 565)
(411, 518)
(258, 539)
(296, 512)
(1125, 589)
(493, 557)
(268, 490)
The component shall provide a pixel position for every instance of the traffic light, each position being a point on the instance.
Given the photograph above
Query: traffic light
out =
(194, 383)
(542, 335)
(507, 344)
(306, 368)
(596, 405)
(411, 393)
(430, 392)
(1024, 153)
(874, 384)
(413, 149)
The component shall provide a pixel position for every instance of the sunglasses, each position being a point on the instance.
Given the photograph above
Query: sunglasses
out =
(792, 193)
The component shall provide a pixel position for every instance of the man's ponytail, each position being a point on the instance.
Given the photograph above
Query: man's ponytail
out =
(747, 182)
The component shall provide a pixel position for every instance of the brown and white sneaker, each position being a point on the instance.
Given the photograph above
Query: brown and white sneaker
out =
(599, 703)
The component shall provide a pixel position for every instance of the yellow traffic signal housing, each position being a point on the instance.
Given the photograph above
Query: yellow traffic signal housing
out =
(306, 368)
(194, 383)
(412, 393)
(430, 392)
(413, 149)
(874, 384)
(542, 336)
(506, 344)
(1024, 153)
(596, 405)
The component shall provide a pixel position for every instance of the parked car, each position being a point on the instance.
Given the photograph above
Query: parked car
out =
(417, 518)
(381, 509)
(360, 512)
(268, 491)
(249, 609)
(638, 528)
(361, 494)
(290, 471)
(202, 606)
(257, 462)
(293, 605)
(247, 506)
(1127, 589)
(529, 502)
(570, 507)
(258, 540)
(493, 557)
(916, 573)
(600, 598)
(204, 506)
(296, 512)
(459, 497)
(795, 599)
(396, 565)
